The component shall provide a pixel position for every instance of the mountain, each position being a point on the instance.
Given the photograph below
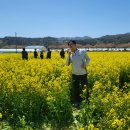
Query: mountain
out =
(28, 41)
(115, 39)
(73, 38)
(112, 40)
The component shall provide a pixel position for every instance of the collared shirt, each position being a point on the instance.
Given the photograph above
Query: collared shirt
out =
(77, 58)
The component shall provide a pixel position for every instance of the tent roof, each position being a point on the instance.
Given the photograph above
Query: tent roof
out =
(33, 47)
(36, 47)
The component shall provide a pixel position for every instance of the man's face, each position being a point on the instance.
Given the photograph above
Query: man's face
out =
(72, 46)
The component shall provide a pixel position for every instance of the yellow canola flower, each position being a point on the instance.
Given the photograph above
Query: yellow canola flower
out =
(50, 98)
(81, 129)
(50, 77)
(119, 123)
(0, 115)
(91, 127)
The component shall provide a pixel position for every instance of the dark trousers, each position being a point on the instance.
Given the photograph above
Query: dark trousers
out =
(78, 83)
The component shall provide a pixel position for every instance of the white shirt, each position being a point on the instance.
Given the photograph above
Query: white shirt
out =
(77, 58)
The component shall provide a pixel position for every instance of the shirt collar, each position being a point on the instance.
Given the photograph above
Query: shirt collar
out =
(76, 51)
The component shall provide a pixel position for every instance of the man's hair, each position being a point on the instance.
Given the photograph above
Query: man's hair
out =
(72, 41)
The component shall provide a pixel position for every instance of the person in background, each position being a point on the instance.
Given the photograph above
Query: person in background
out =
(35, 53)
(41, 54)
(79, 60)
(62, 53)
(48, 54)
(24, 54)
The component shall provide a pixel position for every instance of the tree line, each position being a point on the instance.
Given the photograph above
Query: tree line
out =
(46, 41)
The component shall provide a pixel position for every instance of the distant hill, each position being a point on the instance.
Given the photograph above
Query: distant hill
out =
(108, 39)
(73, 38)
(28, 41)
(119, 40)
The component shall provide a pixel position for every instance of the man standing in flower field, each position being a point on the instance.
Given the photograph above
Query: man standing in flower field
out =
(80, 61)
(62, 53)
(35, 53)
(48, 54)
(24, 54)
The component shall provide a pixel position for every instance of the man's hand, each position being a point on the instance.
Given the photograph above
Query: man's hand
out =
(83, 66)
(69, 52)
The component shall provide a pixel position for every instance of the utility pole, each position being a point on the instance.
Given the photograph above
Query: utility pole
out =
(16, 41)
(46, 44)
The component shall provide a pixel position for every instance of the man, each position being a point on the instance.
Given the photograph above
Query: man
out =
(24, 54)
(80, 61)
(62, 53)
(41, 54)
(35, 53)
(48, 54)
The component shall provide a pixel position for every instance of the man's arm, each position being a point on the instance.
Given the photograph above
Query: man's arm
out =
(68, 61)
(86, 60)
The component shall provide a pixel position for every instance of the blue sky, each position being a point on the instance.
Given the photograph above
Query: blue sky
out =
(64, 18)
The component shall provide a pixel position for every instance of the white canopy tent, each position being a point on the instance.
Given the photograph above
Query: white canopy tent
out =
(39, 48)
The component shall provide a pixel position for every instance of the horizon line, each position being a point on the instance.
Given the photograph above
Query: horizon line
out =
(66, 36)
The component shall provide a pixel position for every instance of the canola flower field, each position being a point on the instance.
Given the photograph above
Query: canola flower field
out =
(35, 94)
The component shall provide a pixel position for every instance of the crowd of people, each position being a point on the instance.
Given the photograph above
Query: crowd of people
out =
(48, 56)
